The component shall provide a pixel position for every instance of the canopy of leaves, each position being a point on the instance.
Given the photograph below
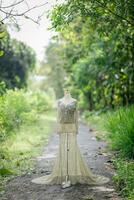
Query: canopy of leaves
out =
(98, 50)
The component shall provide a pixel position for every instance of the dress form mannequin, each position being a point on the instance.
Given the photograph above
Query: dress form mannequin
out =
(67, 99)
(69, 167)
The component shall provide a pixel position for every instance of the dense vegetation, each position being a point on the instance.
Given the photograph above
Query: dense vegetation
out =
(117, 127)
(120, 127)
(96, 48)
(18, 59)
(22, 130)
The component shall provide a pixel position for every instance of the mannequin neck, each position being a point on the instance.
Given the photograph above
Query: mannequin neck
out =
(67, 98)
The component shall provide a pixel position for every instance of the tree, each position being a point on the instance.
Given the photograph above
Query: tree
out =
(3, 33)
(55, 73)
(98, 39)
(17, 61)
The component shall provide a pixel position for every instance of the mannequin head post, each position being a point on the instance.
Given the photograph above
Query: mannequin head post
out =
(67, 93)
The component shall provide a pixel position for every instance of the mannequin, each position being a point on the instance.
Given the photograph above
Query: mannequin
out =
(69, 166)
(66, 100)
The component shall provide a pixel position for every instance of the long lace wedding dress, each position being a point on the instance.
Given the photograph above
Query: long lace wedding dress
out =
(69, 159)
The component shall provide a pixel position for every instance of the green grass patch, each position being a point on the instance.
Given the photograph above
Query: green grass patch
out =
(117, 128)
(18, 150)
(124, 178)
(120, 127)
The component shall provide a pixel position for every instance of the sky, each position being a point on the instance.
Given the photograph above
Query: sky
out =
(36, 36)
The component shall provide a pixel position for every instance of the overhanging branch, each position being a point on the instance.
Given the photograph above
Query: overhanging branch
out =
(12, 13)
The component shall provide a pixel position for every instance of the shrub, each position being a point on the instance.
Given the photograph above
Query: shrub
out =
(2, 87)
(124, 178)
(120, 125)
(18, 106)
(40, 101)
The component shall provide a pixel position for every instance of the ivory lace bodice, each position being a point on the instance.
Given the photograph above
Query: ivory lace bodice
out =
(67, 117)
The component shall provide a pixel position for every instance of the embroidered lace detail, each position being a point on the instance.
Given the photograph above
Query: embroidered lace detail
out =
(67, 117)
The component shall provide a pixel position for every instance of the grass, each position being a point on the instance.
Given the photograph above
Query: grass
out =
(18, 150)
(117, 128)
(124, 178)
(120, 127)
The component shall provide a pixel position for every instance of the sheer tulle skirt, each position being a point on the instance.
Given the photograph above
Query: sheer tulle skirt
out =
(69, 160)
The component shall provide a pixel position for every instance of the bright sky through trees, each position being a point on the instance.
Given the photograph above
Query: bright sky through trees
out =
(36, 36)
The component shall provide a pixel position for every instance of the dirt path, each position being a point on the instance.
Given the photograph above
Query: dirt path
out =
(94, 152)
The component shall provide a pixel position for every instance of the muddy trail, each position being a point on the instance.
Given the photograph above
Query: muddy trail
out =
(95, 154)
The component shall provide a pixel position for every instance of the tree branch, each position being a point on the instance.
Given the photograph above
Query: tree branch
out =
(12, 5)
(23, 13)
(13, 14)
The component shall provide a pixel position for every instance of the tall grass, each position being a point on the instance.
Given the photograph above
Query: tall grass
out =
(117, 126)
(25, 122)
(124, 177)
(120, 127)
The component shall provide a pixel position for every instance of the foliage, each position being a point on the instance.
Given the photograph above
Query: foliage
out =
(18, 107)
(18, 150)
(3, 33)
(2, 88)
(40, 101)
(124, 178)
(96, 43)
(12, 104)
(25, 122)
(17, 61)
(120, 125)
(52, 68)
(117, 127)
(102, 12)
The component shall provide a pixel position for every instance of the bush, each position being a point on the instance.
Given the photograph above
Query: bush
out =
(124, 178)
(40, 101)
(120, 125)
(18, 106)
(12, 104)
(2, 87)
